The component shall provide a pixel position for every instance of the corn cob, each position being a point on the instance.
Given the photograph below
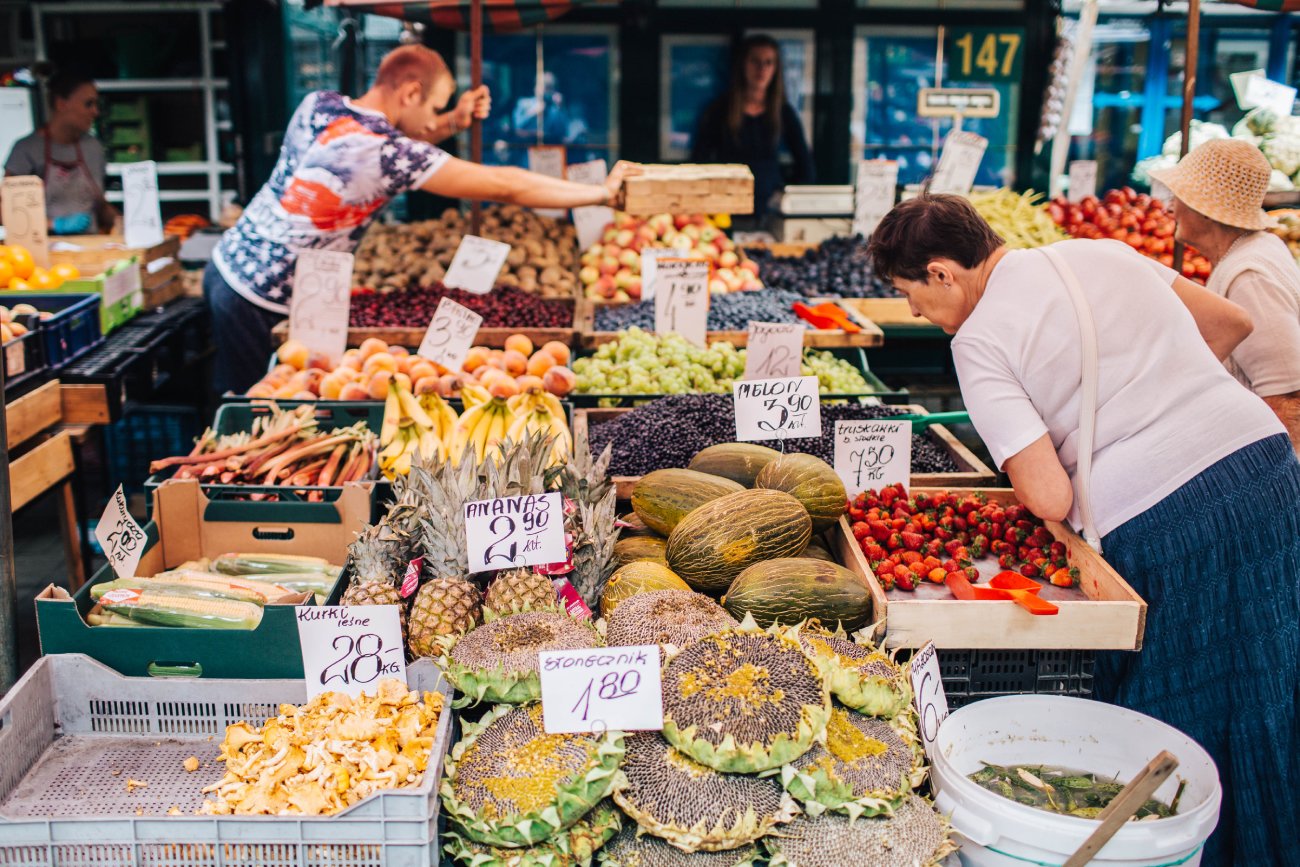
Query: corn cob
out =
(318, 583)
(270, 564)
(160, 608)
(215, 589)
(265, 588)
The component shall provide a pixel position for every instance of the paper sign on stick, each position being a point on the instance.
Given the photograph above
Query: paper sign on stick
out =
(509, 532)
(350, 648)
(928, 695)
(547, 160)
(141, 213)
(873, 194)
(959, 163)
(476, 265)
(590, 221)
(322, 295)
(873, 453)
(1083, 180)
(602, 689)
(451, 334)
(682, 298)
(120, 537)
(774, 350)
(22, 210)
(777, 409)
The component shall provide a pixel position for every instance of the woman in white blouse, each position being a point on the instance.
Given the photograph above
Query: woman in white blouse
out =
(1193, 489)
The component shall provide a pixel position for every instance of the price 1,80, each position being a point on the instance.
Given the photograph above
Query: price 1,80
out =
(612, 686)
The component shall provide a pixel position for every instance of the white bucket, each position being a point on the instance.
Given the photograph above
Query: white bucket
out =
(1077, 734)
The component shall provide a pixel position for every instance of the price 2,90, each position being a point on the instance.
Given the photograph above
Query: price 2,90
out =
(504, 529)
(365, 652)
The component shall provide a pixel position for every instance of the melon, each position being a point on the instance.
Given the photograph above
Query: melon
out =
(640, 577)
(740, 462)
(811, 481)
(795, 589)
(717, 541)
(664, 497)
(634, 548)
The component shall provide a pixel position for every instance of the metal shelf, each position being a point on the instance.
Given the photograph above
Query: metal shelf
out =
(181, 168)
(110, 85)
(168, 195)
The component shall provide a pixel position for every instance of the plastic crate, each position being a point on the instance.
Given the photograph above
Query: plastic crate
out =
(144, 434)
(79, 730)
(24, 360)
(71, 332)
(969, 675)
(133, 362)
(121, 281)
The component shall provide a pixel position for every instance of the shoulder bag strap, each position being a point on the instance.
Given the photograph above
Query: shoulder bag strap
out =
(1088, 399)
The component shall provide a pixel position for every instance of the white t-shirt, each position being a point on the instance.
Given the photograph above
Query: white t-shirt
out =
(1166, 408)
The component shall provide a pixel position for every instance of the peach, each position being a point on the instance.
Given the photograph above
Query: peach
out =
(352, 361)
(293, 353)
(403, 363)
(476, 358)
(284, 371)
(559, 381)
(261, 390)
(489, 375)
(285, 392)
(332, 386)
(370, 346)
(425, 384)
(319, 361)
(504, 387)
(304, 395)
(398, 351)
(530, 383)
(380, 361)
(558, 350)
(354, 391)
(377, 387)
(541, 362)
(520, 343)
(516, 362)
(449, 385)
(420, 369)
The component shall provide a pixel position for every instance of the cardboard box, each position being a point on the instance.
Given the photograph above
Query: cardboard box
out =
(690, 189)
(188, 526)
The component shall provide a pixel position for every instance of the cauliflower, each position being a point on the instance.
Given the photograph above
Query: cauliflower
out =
(1201, 132)
(1279, 183)
(1283, 152)
(1141, 171)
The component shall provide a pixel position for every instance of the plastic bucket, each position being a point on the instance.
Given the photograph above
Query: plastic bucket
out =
(1077, 734)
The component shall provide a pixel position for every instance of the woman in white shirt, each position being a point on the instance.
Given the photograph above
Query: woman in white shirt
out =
(1194, 488)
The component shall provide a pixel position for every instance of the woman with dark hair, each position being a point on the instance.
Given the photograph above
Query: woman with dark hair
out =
(752, 121)
(70, 161)
(1093, 375)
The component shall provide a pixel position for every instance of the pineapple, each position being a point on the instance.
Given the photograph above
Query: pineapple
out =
(584, 480)
(381, 553)
(443, 606)
(518, 590)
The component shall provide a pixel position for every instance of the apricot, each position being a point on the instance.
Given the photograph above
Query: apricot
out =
(380, 361)
(516, 362)
(559, 381)
(284, 371)
(261, 390)
(558, 351)
(449, 385)
(530, 383)
(332, 386)
(541, 362)
(425, 385)
(504, 387)
(319, 361)
(399, 351)
(377, 387)
(285, 392)
(354, 391)
(421, 368)
(352, 360)
(370, 346)
(476, 358)
(519, 343)
(403, 363)
(293, 353)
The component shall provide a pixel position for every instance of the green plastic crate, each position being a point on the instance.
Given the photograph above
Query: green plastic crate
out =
(120, 291)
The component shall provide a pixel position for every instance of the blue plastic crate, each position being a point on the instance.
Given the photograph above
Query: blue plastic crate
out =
(71, 332)
(144, 434)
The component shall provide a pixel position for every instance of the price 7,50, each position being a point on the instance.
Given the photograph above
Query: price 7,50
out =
(869, 459)
(792, 412)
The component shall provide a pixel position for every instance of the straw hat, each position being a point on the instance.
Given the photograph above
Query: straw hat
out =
(1224, 179)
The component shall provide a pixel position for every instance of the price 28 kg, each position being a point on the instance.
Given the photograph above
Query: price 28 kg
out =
(366, 665)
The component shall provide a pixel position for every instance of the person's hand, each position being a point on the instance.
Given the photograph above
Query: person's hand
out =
(71, 224)
(475, 104)
(614, 180)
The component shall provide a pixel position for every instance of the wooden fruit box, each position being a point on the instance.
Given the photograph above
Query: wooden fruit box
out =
(818, 338)
(690, 188)
(411, 336)
(1102, 613)
(886, 312)
(94, 253)
(973, 471)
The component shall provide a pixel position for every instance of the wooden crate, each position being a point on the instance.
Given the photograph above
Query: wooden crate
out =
(40, 469)
(164, 293)
(97, 252)
(869, 336)
(785, 249)
(886, 312)
(411, 336)
(972, 472)
(691, 188)
(32, 413)
(1102, 613)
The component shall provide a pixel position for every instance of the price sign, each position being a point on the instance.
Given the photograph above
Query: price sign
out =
(322, 294)
(123, 281)
(141, 213)
(872, 454)
(515, 531)
(350, 648)
(589, 221)
(1083, 180)
(873, 195)
(960, 162)
(984, 54)
(928, 695)
(451, 334)
(476, 264)
(1277, 98)
(650, 257)
(771, 409)
(682, 299)
(774, 350)
(120, 537)
(411, 580)
(547, 160)
(22, 210)
(602, 689)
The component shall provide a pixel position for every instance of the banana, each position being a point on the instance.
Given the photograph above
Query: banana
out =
(465, 429)
(392, 415)
(431, 446)
(444, 417)
(473, 395)
(500, 422)
(411, 407)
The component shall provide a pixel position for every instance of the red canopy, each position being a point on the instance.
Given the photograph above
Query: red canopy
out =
(499, 16)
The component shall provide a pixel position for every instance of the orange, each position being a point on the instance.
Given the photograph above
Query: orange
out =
(6, 271)
(41, 279)
(66, 271)
(19, 283)
(22, 262)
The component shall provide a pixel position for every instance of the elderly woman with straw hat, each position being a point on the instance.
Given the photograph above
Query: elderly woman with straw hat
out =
(1218, 190)
(1094, 377)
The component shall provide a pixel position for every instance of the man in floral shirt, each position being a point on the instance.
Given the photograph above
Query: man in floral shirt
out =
(342, 161)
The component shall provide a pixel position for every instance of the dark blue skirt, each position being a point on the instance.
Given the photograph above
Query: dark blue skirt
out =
(1218, 562)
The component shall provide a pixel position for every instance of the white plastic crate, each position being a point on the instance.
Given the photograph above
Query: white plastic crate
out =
(70, 723)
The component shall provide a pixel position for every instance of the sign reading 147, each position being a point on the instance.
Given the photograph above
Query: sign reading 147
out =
(984, 54)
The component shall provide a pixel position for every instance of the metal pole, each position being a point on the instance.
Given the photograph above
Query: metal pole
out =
(1078, 63)
(1189, 96)
(475, 78)
(8, 575)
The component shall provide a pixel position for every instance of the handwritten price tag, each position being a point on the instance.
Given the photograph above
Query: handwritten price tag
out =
(774, 350)
(1083, 180)
(873, 195)
(771, 409)
(547, 160)
(607, 688)
(959, 163)
(120, 537)
(872, 454)
(1277, 98)
(928, 695)
(350, 648)
(682, 299)
(141, 213)
(515, 531)
(476, 264)
(322, 294)
(22, 210)
(650, 257)
(451, 334)
(590, 221)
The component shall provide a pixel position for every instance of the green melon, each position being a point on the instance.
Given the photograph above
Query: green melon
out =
(637, 548)
(795, 589)
(662, 498)
(640, 577)
(812, 482)
(817, 551)
(717, 541)
(740, 462)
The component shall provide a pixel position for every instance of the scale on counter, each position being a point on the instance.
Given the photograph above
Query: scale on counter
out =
(812, 213)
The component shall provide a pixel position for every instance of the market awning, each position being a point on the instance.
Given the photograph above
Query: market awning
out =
(499, 16)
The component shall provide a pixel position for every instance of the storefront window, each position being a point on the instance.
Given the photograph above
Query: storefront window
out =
(1106, 124)
(311, 59)
(894, 64)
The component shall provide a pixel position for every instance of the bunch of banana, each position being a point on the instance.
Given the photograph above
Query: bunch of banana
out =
(539, 410)
(482, 425)
(413, 426)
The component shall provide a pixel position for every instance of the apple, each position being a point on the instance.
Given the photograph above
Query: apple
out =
(625, 221)
(750, 265)
(728, 259)
(647, 232)
(749, 284)
(630, 258)
(681, 221)
(633, 288)
(608, 266)
(691, 231)
(624, 237)
(605, 287)
(610, 234)
(717, 287)
(682, 243)
(589, 274)
(623, 279)
(709, 233)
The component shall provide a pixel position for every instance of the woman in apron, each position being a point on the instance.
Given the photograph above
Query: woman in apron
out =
(68, 159)
(1093, 375)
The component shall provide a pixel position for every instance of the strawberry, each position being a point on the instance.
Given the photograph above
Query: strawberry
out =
(1015, 513)
(879, 530)
(933, 562)
(902, 573)
(952, 546)
(1026, 525)
(1007, 561)
(913, 541)
(933, 548)
(1065, 577)
(1040, 538)
(861, 531)
(1029, 570)
(972, 574)
(856, 514)
(1058, 550)
(1000, 546)
(960, 524)
(907, 582)
(910, 557)
(894, 542)
(920, 570)
(942, 535)
(888, 494)
(885, 567)
(951, 566)
(874, 552)
(886, 581)
(937, 575)
(922, 501)
(1014, 535)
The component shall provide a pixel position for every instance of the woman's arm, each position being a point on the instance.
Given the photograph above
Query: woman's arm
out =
(1041, 483)
(797, 143)
(1223, 325)
(459, 179)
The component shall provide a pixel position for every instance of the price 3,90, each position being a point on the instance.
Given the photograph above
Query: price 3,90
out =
(791, 411)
